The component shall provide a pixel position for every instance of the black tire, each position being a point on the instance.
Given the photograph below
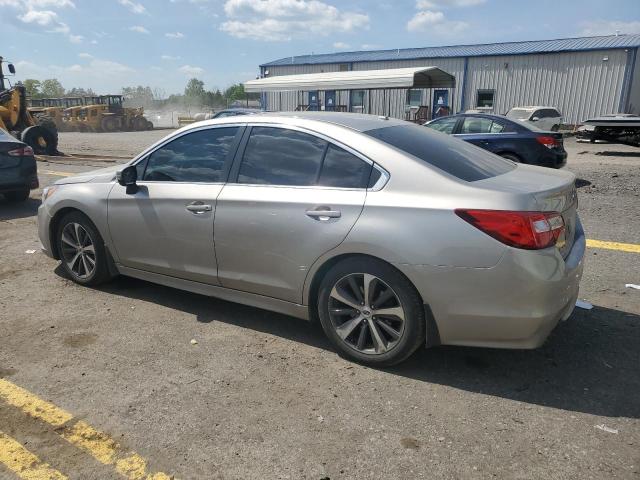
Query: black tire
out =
(40, 139)
(511, 156)
(139, 124)
(149, 125)
(109, 124)
(45, 121)
(100, 273)
(414, 331)
(17, 196)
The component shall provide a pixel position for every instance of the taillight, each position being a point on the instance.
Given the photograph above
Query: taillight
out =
(527, 230)
(21, 152)
(548, 141)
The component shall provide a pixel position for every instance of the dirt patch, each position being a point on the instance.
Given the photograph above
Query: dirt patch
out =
(78, 340)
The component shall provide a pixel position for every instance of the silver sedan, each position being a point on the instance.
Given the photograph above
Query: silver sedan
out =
(391, 235)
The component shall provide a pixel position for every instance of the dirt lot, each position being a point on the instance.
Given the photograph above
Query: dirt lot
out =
(262, 395)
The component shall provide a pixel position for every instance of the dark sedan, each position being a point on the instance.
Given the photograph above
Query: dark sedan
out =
(18, 172)
(504, 137)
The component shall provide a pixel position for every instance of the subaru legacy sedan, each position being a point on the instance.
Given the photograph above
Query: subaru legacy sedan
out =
(389, 234)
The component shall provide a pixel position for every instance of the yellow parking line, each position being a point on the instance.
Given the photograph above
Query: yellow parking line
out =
(622, 247)
(24, 463)
(80, 434)
(59, 174)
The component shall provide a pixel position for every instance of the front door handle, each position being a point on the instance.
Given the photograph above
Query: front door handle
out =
(323, 214)
(198, 207)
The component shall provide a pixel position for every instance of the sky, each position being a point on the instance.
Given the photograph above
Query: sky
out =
(109, 44)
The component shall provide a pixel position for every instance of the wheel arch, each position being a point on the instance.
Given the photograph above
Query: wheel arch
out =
(55, 222)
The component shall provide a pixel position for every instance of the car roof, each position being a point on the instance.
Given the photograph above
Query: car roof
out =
(534, 107)
(355, 121)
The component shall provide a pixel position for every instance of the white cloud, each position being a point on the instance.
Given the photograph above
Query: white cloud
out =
(169, 57)
(40, 17)
(133, 6)
(282, 20)
(609, 27)
(49, 19)
(190, 70)
(429, 4)
(435, 22)
(75, 38)
(139, 29)
(174, 35)
(370, 46)
(341, 46)
(36, 4)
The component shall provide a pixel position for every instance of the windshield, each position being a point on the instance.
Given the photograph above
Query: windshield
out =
(519, 113)
(451, 155)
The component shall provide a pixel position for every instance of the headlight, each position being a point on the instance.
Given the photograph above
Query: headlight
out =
(47, 192)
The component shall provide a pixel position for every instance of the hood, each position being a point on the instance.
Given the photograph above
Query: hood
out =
(107, 174)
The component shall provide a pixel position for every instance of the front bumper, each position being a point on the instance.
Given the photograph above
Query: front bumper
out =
(514, 304)
(44, 222)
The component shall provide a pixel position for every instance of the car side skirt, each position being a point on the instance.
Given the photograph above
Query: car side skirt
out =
(253, 300)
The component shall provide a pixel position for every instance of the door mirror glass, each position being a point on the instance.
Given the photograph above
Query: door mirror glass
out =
(127, 176)
(11, 68)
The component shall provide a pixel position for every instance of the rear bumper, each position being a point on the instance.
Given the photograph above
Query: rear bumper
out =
(553, 159)
(514, 304)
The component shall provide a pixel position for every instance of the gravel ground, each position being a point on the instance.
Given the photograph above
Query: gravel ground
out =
(262, 395)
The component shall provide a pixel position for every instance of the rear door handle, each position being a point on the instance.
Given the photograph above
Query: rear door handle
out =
(198, 207)
(323, 214)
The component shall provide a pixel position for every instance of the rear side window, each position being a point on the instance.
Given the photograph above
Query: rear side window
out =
(342, 169)
(278, 156)
(480, 125)
(196, 157)
(455, 157)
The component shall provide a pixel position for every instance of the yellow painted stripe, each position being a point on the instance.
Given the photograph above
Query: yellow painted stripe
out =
(32, 405)
(24, 463)
(58, 174)
(622, 247)
(79, 433)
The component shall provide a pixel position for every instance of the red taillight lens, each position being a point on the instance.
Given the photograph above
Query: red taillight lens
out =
(21, 152)
(528, 230)
(548, 141)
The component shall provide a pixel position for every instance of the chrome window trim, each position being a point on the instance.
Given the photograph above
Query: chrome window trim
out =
(384, 175)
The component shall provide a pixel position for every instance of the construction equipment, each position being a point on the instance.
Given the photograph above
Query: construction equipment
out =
(106, 113)
(48, 107)
(40, 133)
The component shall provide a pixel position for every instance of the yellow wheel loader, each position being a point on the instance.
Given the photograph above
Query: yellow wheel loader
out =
(107, 114)
(40, 134)
(53, 108)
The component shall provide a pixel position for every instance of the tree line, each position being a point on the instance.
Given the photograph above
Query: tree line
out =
(195, 94)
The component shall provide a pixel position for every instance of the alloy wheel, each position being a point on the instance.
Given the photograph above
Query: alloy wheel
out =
(78, 250)
(366, 313)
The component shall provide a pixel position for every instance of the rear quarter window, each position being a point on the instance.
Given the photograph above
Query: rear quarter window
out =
(453, 156)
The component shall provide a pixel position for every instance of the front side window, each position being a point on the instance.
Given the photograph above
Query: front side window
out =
(485, 98)
(195, 157)
(480, 125)
(278, 156)
(445, 125)
(459, 159)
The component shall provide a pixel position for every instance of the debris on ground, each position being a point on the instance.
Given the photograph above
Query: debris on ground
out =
(632, 285)
(583, 304)
(604, 428)
(194, 341)
(29, 251)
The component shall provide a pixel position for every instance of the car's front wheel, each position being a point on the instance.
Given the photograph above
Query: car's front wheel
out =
(371, 312)
(82, 250)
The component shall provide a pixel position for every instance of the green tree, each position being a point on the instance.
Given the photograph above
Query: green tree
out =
(52, 88)
(194, 89)
(32, 87)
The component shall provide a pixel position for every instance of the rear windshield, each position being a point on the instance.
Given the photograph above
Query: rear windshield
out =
(453, 156)
(518, 113)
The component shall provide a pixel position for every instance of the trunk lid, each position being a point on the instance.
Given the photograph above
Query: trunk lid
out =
(549, 190)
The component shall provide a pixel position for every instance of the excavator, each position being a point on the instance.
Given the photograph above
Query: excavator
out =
(39, 132)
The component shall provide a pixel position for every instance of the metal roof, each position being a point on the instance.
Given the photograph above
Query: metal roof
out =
(489, 49)
(418, 77)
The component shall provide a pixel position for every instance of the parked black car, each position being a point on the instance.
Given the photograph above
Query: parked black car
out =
(18, 171)
(504, 137)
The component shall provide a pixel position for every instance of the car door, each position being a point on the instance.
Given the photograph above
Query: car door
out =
(166, 226)
(291, 197)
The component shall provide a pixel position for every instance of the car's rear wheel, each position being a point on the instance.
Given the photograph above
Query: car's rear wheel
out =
(371, 312)
(17, 196)
(82, 250)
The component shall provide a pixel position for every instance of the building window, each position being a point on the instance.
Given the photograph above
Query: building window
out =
(485, 98)
(344, 67)
(414, 97)
(357, 100)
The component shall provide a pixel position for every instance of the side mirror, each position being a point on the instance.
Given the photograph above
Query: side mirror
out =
(535, 119)
(127, 177)
(11, 68)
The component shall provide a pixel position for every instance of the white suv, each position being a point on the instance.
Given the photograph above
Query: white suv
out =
(544, 118)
